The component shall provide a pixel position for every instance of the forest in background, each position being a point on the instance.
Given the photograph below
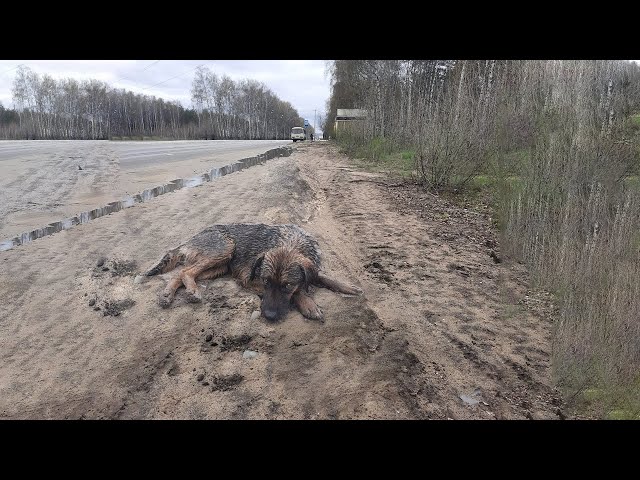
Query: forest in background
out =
(557, 146)
(68, 109)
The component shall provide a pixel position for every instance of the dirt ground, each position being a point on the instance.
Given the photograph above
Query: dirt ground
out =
(442, 331)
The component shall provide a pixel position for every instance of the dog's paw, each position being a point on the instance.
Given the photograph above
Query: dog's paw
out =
(313, 313)
(165, 300)
(194, 297)
(354, 291)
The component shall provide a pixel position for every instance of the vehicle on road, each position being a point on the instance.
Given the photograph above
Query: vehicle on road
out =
(298, 133)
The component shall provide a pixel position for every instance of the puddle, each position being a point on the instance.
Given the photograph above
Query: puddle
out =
(474, 398)
(469, 400)
(142, 197)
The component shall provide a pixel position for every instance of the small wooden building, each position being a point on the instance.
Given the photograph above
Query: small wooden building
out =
(350, 120)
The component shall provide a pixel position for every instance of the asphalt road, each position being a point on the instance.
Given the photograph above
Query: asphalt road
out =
(42, 181)
(138, 154)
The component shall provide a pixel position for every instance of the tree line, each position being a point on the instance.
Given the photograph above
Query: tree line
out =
(46, 108)
(559, 143)
(245, 109)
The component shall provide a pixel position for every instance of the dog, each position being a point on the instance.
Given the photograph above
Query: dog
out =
(278, 261)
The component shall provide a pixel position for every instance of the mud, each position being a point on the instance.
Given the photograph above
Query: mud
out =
(115, 308)
(226, 382)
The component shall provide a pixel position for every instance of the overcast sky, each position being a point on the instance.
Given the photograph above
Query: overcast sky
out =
(303, 83)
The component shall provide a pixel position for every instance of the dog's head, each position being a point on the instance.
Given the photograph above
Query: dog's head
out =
(283, 271)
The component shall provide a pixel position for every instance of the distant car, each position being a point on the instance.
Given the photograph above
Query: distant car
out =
(298, 133)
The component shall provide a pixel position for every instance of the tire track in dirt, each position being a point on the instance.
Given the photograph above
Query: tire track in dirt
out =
(434, 280)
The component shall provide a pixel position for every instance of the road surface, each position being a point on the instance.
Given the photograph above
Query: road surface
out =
(48, 180)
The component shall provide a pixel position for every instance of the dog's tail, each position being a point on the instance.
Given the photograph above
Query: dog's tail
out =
(168, 262)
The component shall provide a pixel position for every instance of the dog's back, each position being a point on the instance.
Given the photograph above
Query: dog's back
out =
(247, 241)
(253, 239)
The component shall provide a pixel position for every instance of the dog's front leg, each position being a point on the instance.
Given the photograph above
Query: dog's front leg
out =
(307, 306)
(336, 286)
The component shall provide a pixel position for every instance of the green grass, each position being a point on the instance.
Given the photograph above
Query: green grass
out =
(632, 182)
(381, 156)
(611, 402)
(402, 162)
(513, 161)
(408, 155)
(482, 181)
(390, 165)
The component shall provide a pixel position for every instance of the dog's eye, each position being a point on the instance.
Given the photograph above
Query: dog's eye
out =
(289, 286)
(265, 281)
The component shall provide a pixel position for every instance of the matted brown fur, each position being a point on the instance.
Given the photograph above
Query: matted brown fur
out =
(279, 261)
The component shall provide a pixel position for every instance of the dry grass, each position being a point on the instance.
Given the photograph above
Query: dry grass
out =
(575, 221)
(558, 143)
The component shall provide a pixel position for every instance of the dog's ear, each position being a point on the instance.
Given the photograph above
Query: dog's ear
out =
(256, 265)
(307, 277)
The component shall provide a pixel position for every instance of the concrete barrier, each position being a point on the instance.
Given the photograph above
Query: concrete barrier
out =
(144, 196)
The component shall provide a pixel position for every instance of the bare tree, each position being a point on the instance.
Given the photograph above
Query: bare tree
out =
(222, 108)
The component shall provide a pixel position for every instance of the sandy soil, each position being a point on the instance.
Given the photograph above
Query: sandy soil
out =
(442, 330)
(46, 181)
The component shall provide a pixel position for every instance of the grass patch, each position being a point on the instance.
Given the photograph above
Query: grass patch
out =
(381, 156)
(508, 163)
(392, 164)
(610, 402)
(632, 182)
(481, 181)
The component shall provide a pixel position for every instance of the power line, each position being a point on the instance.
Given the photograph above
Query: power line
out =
(182, 74)
(7, 71)
(150, 65)
(130, 79)
(124, 78)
